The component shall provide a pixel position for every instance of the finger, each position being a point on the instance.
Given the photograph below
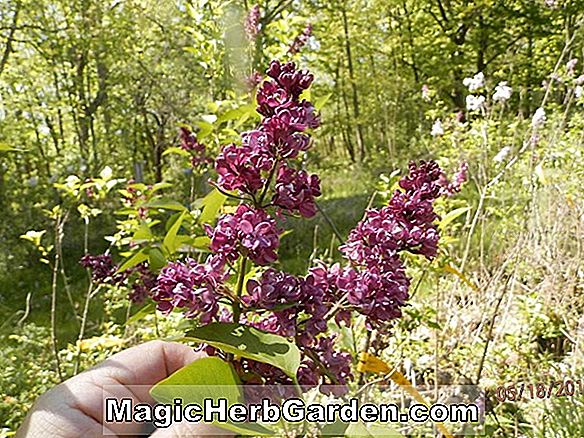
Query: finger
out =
(141, 367)
(127, 375)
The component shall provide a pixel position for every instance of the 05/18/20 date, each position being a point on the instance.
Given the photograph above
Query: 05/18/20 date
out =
(534, 391)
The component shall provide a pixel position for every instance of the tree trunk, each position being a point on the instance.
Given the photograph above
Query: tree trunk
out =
(10, 39)
(355, 96)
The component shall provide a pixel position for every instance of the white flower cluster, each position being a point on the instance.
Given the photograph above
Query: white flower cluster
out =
(538, 118)
(474, 83)
(437, 128)
(474, 103)
(502, 92)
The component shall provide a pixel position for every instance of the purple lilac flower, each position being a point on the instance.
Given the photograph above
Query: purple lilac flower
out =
(249, 231)
(289, 78)
(296, 190)
(377, 284)
(240, 167)
(301, 40)
(308, 375)
(336, 363)
(189, 143)
(143, 285)
(252, 23)
(380, 294)
(281, 322)
(191, 286)
(459, 178)
(102, 267)
(274, 288)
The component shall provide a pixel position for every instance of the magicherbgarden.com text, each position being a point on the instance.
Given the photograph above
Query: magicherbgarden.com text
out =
(292, 410)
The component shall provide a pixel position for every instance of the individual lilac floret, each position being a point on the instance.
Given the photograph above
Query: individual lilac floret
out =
(295, 190)
(240, 167)
(191, 286)
(251, 232)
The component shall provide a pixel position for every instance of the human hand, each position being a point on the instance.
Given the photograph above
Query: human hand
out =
(75, 407)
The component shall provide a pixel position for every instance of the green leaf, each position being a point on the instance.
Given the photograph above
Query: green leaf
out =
(321, 101)
(170, 241)
(175, 150)
(148, 309)
(205, 128)
(251, 343)
(7, 148)
(451, 216)
(212, 203)
(143, 233)
(201, 242)
(371, 430)
(136, 259)
(156, 259)
(206, 378)
(205, 373)
(165, 204)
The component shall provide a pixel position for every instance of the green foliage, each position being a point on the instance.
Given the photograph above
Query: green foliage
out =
(206, 378)
(249, 342)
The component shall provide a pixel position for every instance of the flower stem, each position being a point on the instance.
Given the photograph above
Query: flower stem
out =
(239, 290)
(268, 182)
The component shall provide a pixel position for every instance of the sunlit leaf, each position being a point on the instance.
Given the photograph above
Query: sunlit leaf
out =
(249, 342)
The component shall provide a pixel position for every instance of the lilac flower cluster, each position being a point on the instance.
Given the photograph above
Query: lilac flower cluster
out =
(250, 232)
(198, 151)
(265, 157)
(101, 266)
(252, 23)
(376, 284)
(191, 286)
(263, 174)
(103, 271)
(298, 308)
(301, 40)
